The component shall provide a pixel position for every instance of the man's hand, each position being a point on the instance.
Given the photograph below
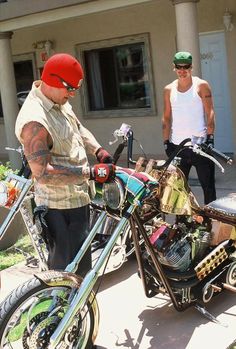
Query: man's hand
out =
(103, 156)
(102, 173)
(169, 147)
(210, 140)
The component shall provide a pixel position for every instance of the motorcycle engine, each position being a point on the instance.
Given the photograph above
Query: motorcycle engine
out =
(177, 247)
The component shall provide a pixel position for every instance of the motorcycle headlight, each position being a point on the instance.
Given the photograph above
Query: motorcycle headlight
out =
(113, 194)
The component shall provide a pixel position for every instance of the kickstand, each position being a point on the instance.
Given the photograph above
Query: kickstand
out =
(208, 315)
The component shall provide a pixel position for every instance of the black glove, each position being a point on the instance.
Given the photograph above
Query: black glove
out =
(103, 156)
(169, 147)
(210, 140)
(102, 173)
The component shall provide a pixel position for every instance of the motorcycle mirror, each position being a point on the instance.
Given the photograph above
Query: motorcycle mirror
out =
(125, 128)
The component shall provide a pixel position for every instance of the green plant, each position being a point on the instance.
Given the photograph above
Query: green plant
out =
(4, 170)
(13, 254)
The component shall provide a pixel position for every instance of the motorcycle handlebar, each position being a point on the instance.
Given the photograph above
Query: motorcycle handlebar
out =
(118, 152)
(126, 133)
(209, 151)
(208, 148)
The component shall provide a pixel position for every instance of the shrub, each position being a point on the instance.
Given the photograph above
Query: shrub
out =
(4, 170)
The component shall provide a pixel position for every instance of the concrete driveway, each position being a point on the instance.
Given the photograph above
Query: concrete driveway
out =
(130, 320)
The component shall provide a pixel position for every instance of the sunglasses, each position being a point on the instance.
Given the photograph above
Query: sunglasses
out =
(184, 67)
(66, 85)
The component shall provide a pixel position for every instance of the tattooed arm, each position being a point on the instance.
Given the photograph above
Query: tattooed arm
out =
(167, 116)
(207, 100)
(37, 141)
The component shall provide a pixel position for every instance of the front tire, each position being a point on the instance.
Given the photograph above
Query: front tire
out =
(31, 313)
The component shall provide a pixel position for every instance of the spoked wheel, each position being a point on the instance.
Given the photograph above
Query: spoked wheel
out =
(30, 315)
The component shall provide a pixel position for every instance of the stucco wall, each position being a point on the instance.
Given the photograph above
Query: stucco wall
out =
(156, 18)
(139, 19)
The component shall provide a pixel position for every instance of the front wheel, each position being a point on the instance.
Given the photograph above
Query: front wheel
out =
(32, 312)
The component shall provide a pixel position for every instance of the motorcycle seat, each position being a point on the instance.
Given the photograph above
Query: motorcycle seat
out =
(223, 209)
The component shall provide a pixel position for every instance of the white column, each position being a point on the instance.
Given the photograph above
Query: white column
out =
(8, 96)
(187, 30)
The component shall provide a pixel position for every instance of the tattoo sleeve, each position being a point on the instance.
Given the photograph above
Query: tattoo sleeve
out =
(36, 147)
(37, 154)
(62, 175)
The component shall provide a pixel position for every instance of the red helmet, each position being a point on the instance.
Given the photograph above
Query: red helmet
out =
(60, 68)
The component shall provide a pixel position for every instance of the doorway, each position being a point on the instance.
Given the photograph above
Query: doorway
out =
(214, 70)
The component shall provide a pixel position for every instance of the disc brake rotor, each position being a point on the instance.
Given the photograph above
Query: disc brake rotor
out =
(32, 324)
(40, 336)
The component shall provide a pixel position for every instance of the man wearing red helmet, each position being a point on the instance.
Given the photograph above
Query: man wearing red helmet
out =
(56, 146)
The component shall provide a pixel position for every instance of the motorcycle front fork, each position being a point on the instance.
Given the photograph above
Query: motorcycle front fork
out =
(91, 278)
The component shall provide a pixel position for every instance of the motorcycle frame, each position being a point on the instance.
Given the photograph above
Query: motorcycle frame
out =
(157, 264)
(129, 217)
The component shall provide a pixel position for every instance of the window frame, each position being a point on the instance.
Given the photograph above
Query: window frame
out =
(139, 38)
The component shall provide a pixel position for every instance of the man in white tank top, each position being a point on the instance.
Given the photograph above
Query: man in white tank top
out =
(189, 111)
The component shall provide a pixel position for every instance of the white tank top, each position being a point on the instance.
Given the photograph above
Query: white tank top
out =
(187, 113)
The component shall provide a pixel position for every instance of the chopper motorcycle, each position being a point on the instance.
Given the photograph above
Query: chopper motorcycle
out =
(189, 261)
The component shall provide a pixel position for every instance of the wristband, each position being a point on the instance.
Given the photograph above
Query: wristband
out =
(103, 156)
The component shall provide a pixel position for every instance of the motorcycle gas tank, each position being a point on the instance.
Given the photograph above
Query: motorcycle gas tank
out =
(175, 194)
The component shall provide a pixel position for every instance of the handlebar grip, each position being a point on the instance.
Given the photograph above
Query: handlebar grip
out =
(25, 171)
(213, 151)
(118, 152)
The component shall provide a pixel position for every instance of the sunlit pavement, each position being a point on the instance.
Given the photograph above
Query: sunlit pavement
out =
(130, 320)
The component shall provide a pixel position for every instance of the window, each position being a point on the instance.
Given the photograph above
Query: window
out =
(117, 77)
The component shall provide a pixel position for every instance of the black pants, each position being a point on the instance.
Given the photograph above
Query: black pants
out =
(66, 231)
(205, 170)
